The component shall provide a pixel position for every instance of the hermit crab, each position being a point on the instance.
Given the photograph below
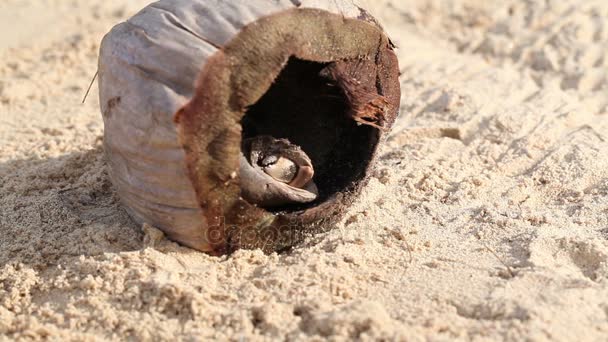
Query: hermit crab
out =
(245, 123)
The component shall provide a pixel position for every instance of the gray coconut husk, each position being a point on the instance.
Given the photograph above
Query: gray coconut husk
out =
(184, 83)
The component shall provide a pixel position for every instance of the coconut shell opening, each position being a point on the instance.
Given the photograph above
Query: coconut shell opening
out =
(326, 83)
(307, 107)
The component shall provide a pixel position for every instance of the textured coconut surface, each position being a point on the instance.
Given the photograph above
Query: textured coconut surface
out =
(487, 216)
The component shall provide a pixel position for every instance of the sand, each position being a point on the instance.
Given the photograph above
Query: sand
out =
(486, 219)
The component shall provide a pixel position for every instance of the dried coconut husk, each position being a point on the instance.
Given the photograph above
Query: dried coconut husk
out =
(323, 76)
(327, 83)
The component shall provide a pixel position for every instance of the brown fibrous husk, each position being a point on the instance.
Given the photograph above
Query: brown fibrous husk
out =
(326, 83)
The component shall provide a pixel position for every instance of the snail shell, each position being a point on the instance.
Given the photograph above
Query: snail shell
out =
(275, 172)
(280, 168)
(184, 83)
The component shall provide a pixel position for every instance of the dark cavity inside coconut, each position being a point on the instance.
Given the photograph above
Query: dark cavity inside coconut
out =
(327, 83)
(310, 109)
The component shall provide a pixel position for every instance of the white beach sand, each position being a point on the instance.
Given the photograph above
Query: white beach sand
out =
(487, 218)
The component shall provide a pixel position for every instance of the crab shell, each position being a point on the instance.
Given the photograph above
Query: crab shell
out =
(184, 82)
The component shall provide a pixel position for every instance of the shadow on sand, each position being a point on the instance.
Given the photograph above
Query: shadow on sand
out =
(61, 207)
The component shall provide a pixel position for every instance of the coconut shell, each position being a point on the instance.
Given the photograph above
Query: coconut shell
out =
(183, 82)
